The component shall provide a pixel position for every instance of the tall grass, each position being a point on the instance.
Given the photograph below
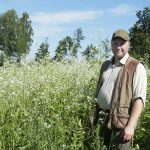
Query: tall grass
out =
(45, 106)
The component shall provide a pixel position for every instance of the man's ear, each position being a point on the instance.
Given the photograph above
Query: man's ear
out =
(129, 44)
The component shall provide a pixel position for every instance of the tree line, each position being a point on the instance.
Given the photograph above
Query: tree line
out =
(16, 37)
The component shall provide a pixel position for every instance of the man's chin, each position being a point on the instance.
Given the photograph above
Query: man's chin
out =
(119, 56)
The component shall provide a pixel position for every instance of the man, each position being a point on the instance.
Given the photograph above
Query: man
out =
(120, 94)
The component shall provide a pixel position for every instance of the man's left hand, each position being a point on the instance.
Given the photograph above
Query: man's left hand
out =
(127, 133)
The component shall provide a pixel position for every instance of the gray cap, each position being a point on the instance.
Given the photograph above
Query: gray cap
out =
(122, 34)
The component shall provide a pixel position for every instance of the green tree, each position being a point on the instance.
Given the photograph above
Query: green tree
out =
(106, 46)
(68, 47)
(2, 58)
(8, 34)
(90, 53)
(25, 33)
(15, 34)
(140, 35)
(64, 48)
(78, 36)
(42, 51)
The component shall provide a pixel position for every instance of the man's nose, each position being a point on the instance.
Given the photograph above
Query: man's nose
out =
(119, 47)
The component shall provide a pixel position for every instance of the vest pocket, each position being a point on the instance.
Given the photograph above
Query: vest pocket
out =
(120, 119)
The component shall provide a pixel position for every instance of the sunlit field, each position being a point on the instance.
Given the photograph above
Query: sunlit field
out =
(46, 106)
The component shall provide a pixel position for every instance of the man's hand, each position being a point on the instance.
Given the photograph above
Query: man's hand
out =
(127, 133)
(93, 119)
(90, 123)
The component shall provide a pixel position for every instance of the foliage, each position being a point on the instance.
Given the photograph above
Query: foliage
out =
(15, 34)
(2, 58)
(46, 106)
(64, 47)
(90, 53)
(106, 47)
(143, 130)
(42, 51)
(140, 35)
(68, 47)
(78, 36)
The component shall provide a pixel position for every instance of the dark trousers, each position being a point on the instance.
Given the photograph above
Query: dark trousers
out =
(112, 138)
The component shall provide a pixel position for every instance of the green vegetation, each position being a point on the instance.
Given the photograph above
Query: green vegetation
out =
(46, 106)
(140, 36)
(42, 51)
(15, 34)
(68, 47)
(16, 38)
(143, 130)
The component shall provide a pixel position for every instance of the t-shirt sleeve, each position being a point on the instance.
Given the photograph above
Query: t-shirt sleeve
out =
(140, 83)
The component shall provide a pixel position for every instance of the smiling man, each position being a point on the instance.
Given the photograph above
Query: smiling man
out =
(120, 94)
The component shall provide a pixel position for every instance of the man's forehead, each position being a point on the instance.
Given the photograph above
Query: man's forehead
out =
(118, 39)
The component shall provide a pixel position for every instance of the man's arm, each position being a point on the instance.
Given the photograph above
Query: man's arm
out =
(139, 90)
(128, 131)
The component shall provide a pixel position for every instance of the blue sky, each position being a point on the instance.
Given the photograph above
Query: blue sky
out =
(56, 19)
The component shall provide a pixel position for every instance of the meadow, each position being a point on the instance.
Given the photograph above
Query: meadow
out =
(45, 106)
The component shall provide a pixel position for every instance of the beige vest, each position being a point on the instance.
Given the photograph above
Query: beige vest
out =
(122, 94)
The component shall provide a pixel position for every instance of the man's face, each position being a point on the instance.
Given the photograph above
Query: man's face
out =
(119, 47)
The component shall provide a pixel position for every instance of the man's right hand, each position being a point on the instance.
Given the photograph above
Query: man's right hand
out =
(90, 123)
(93, 119)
